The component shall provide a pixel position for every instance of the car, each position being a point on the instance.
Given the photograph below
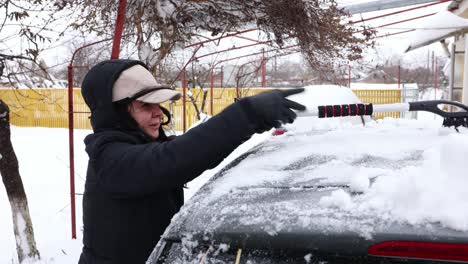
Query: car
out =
(332, 191)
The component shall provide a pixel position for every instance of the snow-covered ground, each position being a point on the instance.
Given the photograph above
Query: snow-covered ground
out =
(438, 183)
(44, 168)
(43, 160)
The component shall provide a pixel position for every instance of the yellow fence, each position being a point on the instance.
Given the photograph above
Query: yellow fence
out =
(44, 107)
(49, 107)
(380, 97)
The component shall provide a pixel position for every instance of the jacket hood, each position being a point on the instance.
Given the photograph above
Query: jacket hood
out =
(97, 93)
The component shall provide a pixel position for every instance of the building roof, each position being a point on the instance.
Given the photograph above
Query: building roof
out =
(440, 26)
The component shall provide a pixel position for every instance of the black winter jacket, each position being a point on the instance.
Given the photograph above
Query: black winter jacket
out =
(133, 184)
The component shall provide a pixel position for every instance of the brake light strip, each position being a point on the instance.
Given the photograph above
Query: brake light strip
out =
(422, 250)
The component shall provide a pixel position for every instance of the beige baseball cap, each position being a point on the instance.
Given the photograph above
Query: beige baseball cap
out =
(138, 83)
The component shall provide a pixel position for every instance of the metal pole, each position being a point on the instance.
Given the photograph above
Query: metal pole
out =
(399, 76)
(465, 74)
(263, 69)
(218, 38)
(184, 93)
(71, 150)
(434, 74)
(377, 5)
(435, 78)
(211, 91)
(276, 71)
(399, 22)
(452, 70)
(118, 29)
(349, 76)
(70, 134)
(222, 76)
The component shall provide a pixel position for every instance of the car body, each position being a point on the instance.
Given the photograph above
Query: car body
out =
(328, 192)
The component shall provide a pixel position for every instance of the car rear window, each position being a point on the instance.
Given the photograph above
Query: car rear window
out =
(222, 254)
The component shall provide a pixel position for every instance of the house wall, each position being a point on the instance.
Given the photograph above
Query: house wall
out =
(461, 61)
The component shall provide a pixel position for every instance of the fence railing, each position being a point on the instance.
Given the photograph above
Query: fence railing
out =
(380, 96)
(48, 107)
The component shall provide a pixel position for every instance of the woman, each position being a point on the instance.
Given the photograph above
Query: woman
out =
(135, 172)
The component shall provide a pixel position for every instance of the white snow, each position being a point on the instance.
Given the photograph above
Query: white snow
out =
(407, 170)
(165, 8)
(44, 168)
(381, 86)
(22, 241)
(43, 162)
(430, 186)
(441, 25)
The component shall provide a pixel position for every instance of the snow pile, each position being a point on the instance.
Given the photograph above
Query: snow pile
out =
(395, 170)
(439, 26)
(43, 162)
(434, 192)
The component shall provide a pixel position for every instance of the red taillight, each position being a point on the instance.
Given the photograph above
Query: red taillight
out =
(421, 250)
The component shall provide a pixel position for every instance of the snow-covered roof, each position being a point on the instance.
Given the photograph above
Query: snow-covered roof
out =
(438, 27)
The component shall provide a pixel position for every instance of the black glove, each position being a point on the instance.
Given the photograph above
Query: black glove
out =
(271, 109)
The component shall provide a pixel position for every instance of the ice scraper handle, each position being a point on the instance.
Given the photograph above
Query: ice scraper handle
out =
(434, 107)
(456, 119)
(345, 110)
(451, 119)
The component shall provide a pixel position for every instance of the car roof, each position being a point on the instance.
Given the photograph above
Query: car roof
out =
(297, 186)
(268, 192)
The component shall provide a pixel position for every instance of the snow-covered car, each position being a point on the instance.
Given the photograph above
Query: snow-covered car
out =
(329, 191)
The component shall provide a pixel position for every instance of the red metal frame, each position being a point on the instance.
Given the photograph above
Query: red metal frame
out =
(199, 44)
(193, 58)
(398, 22)
(218, 38)
(251, 54)
(184, 96)
(399, 12)
(211, 91)
(115, 55)
(399, 75)
(349, 76)
(265, 59)
(71, 135)
(248, 55)
(118, 29)
(71, 148)
(396, 33)
(263, 69)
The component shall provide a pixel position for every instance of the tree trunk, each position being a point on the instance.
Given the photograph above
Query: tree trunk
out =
(22, 225)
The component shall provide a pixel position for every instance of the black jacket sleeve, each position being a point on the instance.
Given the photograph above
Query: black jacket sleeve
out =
(126, 169)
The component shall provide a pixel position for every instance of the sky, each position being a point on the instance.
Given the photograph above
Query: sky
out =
(437, 178)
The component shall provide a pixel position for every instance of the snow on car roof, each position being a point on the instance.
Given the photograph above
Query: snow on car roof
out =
(342, 176)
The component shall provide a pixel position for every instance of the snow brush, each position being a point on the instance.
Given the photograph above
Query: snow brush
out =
(454, 119)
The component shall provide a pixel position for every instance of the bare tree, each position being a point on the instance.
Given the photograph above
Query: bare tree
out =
(24, 33)
(246, 74)
(156, 27)
(84, 59)
(9, 170)
(423, 76)
(26, 29)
